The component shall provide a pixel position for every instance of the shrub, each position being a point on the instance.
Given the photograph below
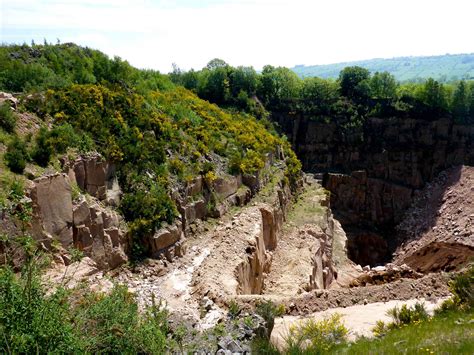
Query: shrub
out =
(402, 316)
(31, 321)
(407, 315)
(7, 118)
(316, 337)
(16, 155)
(263, 346)
(269, 311)
(112, 324)
(43, 150)
(58, 140)
(462, 288)
(35, 321)
(234, 309)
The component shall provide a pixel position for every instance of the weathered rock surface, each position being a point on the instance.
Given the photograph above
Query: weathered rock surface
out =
(52, 209)
(167, 241)
(86, 225)
(97, 232)
(438, 233)
(385, 274)
(381, 165)
(95, 176)
(9, 99)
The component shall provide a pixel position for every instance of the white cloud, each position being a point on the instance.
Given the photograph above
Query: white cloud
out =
(157, 33)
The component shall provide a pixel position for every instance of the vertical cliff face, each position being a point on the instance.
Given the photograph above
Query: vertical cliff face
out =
(374, 171)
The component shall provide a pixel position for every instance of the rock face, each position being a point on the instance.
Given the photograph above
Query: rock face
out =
(360, 198)
(52, 209)
(168, 241)
(95, 176)
(251, 272)
(271, 223)
(380, 166)
(98, 234)
(323, 273)
(86, 225)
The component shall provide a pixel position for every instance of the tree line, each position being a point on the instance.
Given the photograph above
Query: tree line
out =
(356, 93)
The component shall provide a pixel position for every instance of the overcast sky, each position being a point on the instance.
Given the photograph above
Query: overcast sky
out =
(157, 33)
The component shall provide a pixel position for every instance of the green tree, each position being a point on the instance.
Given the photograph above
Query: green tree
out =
(214, 85)
(16, 155)
(244, 79)
(354, 83)
(278, 84)
(471, 102)
(460, 102)
(319, 95)
(383, 86)
(433, 96)
(216, 63)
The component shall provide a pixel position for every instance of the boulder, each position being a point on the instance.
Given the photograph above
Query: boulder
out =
(192, 211)
(81, 214)
(165, 238)
(52, 208)
(226, 185)
(9, 99)
(194, 187)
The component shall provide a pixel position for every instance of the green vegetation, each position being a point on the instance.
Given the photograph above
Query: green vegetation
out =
(442, 68)
(16, 155)
(451, 333)
(25, 68)
(7, 118)
(402, 316)
(412, 331)
(157, 134)
(33, 320)
(347, 101)
(316, 337)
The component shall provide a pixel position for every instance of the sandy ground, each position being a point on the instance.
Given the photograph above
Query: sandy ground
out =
(359, 319)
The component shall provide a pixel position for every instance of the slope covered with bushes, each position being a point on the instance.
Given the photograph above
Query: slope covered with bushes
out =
(159, 136)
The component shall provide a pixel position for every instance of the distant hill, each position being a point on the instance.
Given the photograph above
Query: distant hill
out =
(447, 67)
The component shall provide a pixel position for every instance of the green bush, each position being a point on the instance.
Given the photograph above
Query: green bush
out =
(263, 346)
(35, 321)
(402, 316)
(316, 337)
(407, 315)
(16, 155)
(269, 311)
(462, 288)
(43, 150)
(31, 321)
(7, 118)
(57, 141)
(112, 324)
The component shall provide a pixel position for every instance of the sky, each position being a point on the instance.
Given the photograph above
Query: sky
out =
(156, 33)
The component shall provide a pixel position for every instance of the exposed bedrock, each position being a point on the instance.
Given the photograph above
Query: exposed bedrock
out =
(374, 172)
(84, 223)
(261, 254)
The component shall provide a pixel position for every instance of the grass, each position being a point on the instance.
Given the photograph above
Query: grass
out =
(267, 192)
(307, 209)
(452, 333)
